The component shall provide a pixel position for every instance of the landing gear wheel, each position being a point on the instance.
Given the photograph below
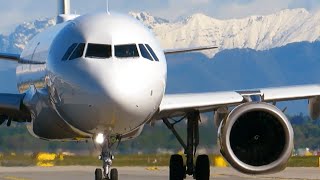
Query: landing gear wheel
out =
(114, 174)
(202, 171)
(177, 170)
(98, 174)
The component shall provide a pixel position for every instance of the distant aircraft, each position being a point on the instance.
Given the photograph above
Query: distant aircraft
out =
(102, 76)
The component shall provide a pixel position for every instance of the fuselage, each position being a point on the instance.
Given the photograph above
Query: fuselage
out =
(98, 73)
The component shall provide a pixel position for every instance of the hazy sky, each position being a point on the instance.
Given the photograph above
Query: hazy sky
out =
(13, 12)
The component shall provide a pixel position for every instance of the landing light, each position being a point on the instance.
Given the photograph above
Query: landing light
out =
(99, 138)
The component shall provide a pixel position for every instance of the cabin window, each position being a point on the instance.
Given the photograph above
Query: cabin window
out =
(152, 52)
(126, 51)
(69, 51)
(98, 51)
(78, 52)
(144, 52)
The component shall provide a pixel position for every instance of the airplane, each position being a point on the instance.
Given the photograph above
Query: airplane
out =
(102, 76)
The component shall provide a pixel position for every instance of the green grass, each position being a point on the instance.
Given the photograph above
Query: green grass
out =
(129, 160)
(309, 161)
(120, 160)
(19, 160)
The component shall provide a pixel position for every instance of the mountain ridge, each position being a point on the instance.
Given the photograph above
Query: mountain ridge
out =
(254, 32)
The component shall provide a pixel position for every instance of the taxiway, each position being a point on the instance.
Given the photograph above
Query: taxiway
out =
(143, 173)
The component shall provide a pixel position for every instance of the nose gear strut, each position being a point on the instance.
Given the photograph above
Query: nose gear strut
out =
(107, 157)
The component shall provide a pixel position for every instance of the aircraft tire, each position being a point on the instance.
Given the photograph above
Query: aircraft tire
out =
(114, 174)
(202, 171)
(98, 174)
(177, 170)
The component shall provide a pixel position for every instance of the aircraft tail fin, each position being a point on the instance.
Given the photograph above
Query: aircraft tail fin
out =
(64, 9)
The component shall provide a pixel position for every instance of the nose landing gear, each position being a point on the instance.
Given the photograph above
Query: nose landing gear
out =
(106, 157)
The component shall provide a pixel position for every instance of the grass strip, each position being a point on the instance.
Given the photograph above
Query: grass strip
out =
(127, 160)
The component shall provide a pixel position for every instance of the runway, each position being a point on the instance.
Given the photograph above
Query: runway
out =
(143, 173)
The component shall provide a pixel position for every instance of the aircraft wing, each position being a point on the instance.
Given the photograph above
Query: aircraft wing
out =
(184, 50)
(10, 57)
(12, 108)
(178, 104)
(11, 105)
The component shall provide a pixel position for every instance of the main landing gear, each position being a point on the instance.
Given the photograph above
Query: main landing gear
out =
(201, 169)
(106, 157)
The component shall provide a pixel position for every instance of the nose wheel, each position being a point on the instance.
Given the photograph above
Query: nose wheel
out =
(106, 157)
(98, 174)
(113, 175)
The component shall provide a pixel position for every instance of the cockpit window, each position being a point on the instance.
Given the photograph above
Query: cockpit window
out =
(126, 50)
(98, 51)
(144, 52)
(78, 52)
(69, 51)
(152, 52)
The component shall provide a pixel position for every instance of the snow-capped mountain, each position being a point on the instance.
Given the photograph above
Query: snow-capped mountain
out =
(255, 32)
(16, 41)
(147, 19)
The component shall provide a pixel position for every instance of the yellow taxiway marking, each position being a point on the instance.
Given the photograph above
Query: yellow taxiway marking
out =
(14, 178)
(153, 168)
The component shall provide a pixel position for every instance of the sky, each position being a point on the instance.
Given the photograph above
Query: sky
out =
(14, 12)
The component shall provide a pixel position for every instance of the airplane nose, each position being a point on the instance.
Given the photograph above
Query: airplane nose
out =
(124, 93)
(119, 96)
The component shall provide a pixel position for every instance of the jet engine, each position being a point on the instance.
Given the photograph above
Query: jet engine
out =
(256, 138)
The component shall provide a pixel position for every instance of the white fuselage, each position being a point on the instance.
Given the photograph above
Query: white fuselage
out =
(87, 95)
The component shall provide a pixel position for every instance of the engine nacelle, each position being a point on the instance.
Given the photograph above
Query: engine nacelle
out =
(256, 138)
(314, 107)
(219, 115)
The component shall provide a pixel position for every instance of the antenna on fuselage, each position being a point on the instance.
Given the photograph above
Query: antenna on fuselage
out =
(108, 6)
